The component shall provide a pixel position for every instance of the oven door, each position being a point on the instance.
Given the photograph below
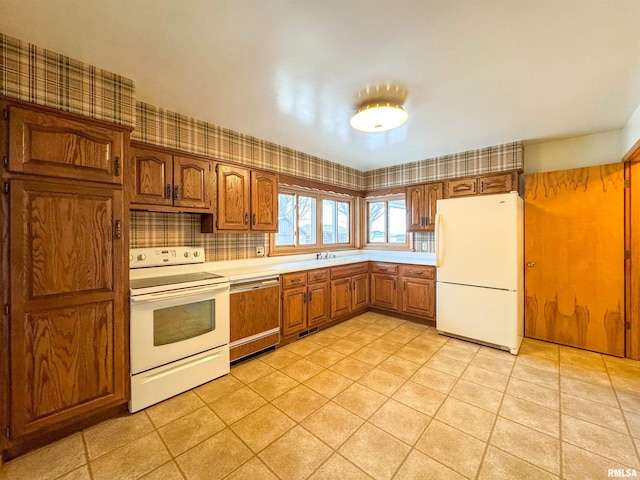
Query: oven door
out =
(168, 326)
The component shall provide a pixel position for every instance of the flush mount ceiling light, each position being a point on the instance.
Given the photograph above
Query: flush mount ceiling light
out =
(380, 107)
(378, 116)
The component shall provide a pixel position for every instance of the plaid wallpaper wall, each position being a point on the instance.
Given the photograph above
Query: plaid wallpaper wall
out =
(508, 156)
(40, 76)
(155, 229)
(162, 127)
(37, 75)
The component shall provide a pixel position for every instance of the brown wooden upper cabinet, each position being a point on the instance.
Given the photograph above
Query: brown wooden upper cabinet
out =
(163, 179)
(41, 143)
(247, 200)
(421, 206)
(481, 185)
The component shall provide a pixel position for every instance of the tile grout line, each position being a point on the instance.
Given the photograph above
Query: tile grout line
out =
(624, 417)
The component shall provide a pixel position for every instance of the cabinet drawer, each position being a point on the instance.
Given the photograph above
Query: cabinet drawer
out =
(318, 276)
(496, 183)
(462, 187)
(388, 268)
(418, 271)
(291, 280)
(349, 270)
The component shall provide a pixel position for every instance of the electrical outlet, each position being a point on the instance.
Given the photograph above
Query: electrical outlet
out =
(425, 246)
(259, 251)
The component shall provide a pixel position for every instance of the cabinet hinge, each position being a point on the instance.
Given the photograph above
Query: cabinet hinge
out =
(627, 254)
(7, 309)
(627, 325)
(116, 167)
(627, 183)
(6, 187)
(5, 160)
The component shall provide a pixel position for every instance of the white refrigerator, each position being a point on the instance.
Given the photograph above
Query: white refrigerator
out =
(479, 255)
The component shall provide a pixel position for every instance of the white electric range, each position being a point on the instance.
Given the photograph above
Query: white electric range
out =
(179, 323)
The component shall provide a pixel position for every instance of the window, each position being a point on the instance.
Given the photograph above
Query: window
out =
(296, 220)
(312, 220)
(387, 222)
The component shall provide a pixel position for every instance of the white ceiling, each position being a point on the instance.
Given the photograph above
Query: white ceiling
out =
(478, 73)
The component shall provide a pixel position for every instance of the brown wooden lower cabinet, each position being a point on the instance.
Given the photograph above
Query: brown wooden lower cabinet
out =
(349, 289)
(68, 315)
(418, 290)
(305, 300)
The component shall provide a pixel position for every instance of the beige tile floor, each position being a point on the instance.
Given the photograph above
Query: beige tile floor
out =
(374, 397)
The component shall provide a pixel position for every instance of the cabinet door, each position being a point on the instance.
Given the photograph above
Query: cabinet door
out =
(461, 187)
(419, 297)
(191, 183)
(264, 202)
(319, 305)
(384, 291)
(45, 144)
(233, 198)
(253, 312)
(294, 310)
(340, 297)
(68, 316)
(360, 291)
(497, 183)
(415, 208)
(153, 177)
(433, 192)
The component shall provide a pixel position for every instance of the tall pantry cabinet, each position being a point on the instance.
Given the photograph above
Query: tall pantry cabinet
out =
(64, 243)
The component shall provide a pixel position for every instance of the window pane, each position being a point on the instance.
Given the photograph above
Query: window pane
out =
(286, 219)
(306, 220)
(397, 221)
(343, 222)
(328, 221)
(377, 219)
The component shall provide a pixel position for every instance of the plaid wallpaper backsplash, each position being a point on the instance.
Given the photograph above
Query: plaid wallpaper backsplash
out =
(508, 156)
(155, 229)
(157, 126)
(43, 77)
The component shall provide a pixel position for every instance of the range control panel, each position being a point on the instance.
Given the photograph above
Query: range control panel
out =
(157, 257)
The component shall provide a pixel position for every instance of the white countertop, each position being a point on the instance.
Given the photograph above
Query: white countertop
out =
(239, 270)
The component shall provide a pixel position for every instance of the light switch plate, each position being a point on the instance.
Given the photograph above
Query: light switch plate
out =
(259, 251)
(425, 246)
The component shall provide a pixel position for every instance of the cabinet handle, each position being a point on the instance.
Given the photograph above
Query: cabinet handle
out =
(383, 269)
(404, 287)
(394, 284)
(176, 192)
(116, 166)
(310, 296)
(482, 186)
(304, 298)
(167, 191)
(117, 231)
(295, 280)
(246, 218)
(254, 219)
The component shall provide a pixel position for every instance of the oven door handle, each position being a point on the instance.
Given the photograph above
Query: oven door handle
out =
(187, 292)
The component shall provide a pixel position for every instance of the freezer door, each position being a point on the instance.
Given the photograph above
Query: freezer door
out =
(479, 240)
(487, 315)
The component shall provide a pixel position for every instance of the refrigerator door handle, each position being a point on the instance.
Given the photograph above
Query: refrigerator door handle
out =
(437, 235)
